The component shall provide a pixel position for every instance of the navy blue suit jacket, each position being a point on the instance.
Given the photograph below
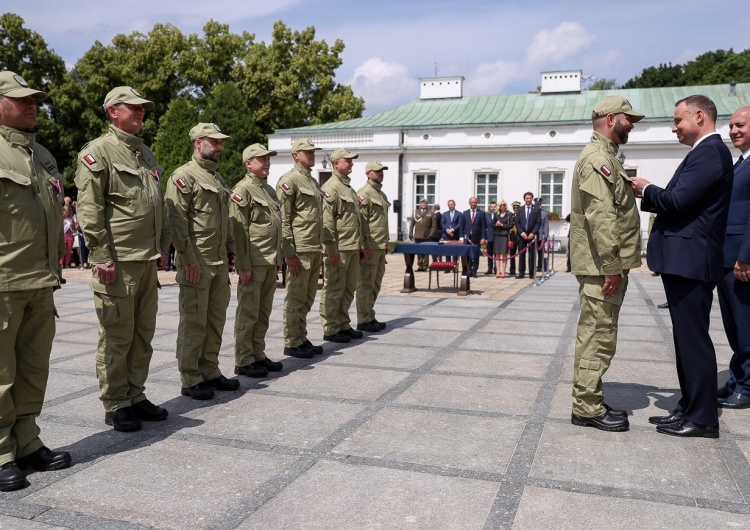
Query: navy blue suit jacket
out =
(457, 225)
(688, 233)
(737, 240)
(474, 231)
(535, 221)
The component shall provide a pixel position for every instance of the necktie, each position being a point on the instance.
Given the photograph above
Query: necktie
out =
(528, 211)
(739, 161)
(472, 217)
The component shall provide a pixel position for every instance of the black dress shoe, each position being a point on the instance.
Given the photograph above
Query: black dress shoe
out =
(382, 325)
(44, 459)
(616, 412)
(300, 352)
(251, 370)
(147, 411)
(317, 350)
(519, 276)
(123, 420)
(353, 333)
(370, 327)
(735, 401)
(488, 273)
(200, 391)
(222, 383)
(12, 478)
(688, 429)
(675, 416)
(339, 337)
(605, 422)
(665, 305)
(725, 391)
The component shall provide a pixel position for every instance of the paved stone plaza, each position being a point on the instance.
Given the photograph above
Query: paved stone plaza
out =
(457, 416)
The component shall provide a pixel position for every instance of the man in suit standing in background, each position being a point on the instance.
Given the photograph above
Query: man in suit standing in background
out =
(685, 250)
(734, 287)
(541, 266)
(452, 223)
(528, 221)
(474, 230)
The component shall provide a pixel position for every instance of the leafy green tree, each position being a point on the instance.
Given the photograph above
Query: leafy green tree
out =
(172, 147)
(603, 84)
(226, 107)
(663, 75)
(711, 68)
(290, 82)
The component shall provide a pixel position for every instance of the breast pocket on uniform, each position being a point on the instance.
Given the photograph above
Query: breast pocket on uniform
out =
(126, 183)
(17, 211)
(206, 198)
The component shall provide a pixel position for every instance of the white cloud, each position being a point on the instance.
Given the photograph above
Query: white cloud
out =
(383, 84)
(557, 45)
(491, 78)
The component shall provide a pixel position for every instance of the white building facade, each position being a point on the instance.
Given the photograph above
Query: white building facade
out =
(445, 146)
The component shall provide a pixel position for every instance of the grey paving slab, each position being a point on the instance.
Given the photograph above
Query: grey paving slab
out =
(277, 420)
(511, 341)
(499, 325)
(408, 357)
(436, 439)
(564, 510)
(177, 498)
(444, 323)
(471, 393)
(422, 337)
(334, 495)
(499, 363)
(640, 460)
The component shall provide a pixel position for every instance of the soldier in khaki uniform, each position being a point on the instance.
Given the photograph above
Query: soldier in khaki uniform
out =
(256, 223)
(423, 225)
(605, 244)
(374, 208)
(342, 242)
(198, 201)
(122, 213)
(301, 227)
(31, 245)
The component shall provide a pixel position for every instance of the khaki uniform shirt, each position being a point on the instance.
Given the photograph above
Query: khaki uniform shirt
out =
(423, 224)
(31, 236)
(605, 228)
(301, 209)
(342, 223)
(120, 203)
(198, 201)
(374, 208)
(256, 220)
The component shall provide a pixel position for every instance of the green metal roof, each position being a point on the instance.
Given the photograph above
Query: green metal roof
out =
(531, 109)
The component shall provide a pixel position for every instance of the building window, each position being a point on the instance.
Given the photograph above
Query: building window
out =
(485, 189)
(424, 188)
(551, 190)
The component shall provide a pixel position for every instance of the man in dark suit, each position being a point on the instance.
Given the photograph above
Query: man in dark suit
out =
(734, 287)
(685, 247)
(474, 230)
(490, 220)
(452, 223)
(437, 232)
(528, 221)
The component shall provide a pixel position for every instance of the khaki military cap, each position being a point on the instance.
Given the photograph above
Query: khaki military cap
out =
(304, 144)
(207, 130)
(342, 153)
(13, 85)
(126, 94)
(515, 204)
(256, 150)
(374, 165)
(616, 105)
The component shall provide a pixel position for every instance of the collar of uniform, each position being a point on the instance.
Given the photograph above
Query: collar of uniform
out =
(375, 184)
(255, 179)
(205, 163)
(345, 180)
(17, 137)
(133, 142)
(612, 147)
(302, 169)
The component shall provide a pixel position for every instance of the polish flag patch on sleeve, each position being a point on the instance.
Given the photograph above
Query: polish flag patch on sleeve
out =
(361, 199)
(236, 197)
(285, 186)
(605, 170)
(325, 194)
(89, 159)
(181, 183)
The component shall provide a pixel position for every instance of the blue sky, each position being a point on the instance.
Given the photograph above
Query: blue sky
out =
(500, 47)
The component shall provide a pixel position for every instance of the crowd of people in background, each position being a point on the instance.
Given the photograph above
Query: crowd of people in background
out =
(505, 235)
